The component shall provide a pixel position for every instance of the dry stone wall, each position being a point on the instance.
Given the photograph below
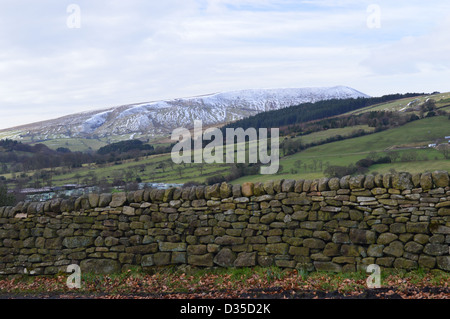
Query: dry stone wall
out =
(393, 220)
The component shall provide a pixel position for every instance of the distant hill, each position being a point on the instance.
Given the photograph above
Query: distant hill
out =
(155, 119)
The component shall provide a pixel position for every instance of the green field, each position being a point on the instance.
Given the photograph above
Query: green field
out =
(399, 105)
(307, 164)
(75, 144)
(155, 168)
(323, 135)
(407, 144)
(345, 152)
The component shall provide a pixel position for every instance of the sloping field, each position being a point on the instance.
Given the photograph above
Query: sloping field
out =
(311, 162)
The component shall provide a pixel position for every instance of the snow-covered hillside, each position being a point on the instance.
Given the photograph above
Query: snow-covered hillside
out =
(161, 117)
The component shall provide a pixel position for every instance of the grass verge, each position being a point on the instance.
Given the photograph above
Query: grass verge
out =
(221, 283)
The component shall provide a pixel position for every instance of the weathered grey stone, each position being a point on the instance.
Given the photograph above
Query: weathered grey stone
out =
(265, 261)
(298, 187)
(118, 199)
(142, 249)
(138, 196)
(168, 194)
(225, 258)
(413, 247)
(378, 180)
(402, 181)
(159, 194)
(104, 200)
(199, 192)
(443, 262)
(385, 261)
(314, 243)
(178, 257)
(55, 205)
(288, 186)
(443, 204)
(415, 178)
(327, 266)
(361, 236)
(125, 258)
(277, 184)
(229, 240)
(356, 182)
(146, 260)
(344, 182)
(245, 259)
(444, 211)
(300, 215)
(375, 250)
(369, 182)
(323, 184)
(268, 218)
(78, 241)
(427, 261)
(387, 180)
(277, 249)
(296, 201)
(261, 198)
(436, 249)
(127, 210)
(352, 250)
(394, 249)
(226, 190)
(421, 238)
(331, 249)
(440, 178)
(298, 251)
(386, 238)
(426, 181)
(403, 263)
(197, 249)
(100, 266)
(420, 227)
(168, 246)
(440, 229)
(247, 189)
(284, 263)
(67, 205)
(258, 189)
(205, 260)
(93, 199)
(341, 238)
(334, 184)
(397, 228)
(322, 234)
(236, 189)
(162, 258)
(313, 225)
(268, 187)
(314, 185)
(211, 191)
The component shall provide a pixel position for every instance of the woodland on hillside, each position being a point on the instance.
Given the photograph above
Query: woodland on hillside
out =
(303, 128)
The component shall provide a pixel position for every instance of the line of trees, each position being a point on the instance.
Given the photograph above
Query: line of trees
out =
(311, 111)
(18, 157)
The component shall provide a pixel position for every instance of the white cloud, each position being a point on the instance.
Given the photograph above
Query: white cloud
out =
(413, 54)
(134, 51)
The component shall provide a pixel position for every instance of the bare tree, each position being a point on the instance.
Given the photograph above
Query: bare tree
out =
(445, 151)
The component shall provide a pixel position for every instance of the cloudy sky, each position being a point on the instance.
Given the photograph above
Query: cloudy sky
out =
(60, 57)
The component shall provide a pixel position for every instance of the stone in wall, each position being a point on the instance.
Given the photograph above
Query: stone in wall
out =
(337, 224)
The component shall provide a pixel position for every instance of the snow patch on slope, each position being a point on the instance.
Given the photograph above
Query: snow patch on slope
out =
(161, 117)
